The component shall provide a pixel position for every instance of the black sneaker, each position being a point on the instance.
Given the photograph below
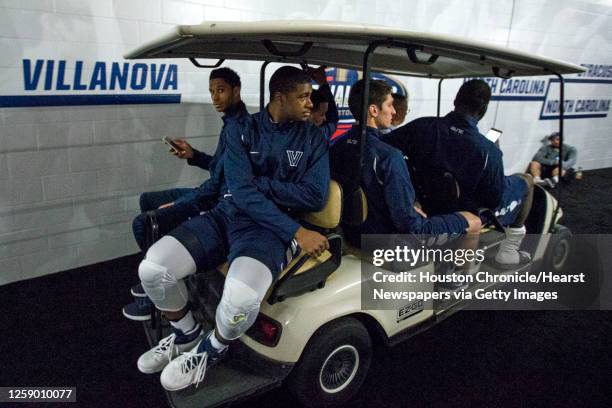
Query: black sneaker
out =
(139, 310)
(137, 291)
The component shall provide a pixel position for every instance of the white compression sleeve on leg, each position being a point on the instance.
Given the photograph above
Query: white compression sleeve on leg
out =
(162, 271)
(246, 284)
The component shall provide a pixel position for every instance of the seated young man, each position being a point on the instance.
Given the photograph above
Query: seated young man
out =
(385, 179)
(454, 143)
(224, 87)
(544, 166)
(400, 104)
(274, 165)
(324, 109)
(172, 207)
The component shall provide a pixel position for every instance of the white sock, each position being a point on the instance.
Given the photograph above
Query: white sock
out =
(216, 343)
(186, 324)
(508, 252)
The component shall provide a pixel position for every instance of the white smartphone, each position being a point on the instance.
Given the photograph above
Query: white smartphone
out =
(173, 146)
(494, 134)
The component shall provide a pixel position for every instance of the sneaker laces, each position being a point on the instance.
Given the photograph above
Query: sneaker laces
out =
(165, 347)
(195, 361)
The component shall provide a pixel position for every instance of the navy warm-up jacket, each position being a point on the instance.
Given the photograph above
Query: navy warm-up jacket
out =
(453, 143)
(274, 169)
(386, 183)
(207, 194)
(200, 159)
(331, 117)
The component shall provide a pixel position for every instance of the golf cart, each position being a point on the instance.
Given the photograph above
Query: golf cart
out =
(312, 333)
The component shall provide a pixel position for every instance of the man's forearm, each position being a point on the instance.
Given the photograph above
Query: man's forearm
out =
(200, 159)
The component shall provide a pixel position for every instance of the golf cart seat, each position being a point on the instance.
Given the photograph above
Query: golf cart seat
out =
(443, 190)
(305, 273)
(438, 192)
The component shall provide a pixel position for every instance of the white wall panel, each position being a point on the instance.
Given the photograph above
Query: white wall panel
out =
(144, 10)
(44, 5)
(18, 137)
(62, 134)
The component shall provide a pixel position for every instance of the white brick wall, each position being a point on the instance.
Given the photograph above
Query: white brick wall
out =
(70, 176)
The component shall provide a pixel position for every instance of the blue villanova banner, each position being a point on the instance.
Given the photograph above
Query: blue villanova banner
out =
(59, 83)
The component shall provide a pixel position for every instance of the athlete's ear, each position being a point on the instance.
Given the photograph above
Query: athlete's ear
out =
(236, 92)
(276, 97)
(373, 111)
(283, 97)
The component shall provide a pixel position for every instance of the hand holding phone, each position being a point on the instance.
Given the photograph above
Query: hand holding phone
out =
(494, 135)
(186, 151)
(173, 146)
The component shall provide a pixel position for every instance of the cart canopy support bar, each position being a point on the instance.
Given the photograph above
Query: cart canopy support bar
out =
(197, 64)
(561, 117)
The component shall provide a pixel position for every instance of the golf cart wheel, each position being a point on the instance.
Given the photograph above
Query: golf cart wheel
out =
(559, 248)
(333, 365)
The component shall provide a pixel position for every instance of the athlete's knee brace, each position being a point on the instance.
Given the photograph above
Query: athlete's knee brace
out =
(237, 310)
(161, 285)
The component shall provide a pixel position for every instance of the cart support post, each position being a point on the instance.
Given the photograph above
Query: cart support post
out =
(439, 94)
(560, 164)
(262, 85)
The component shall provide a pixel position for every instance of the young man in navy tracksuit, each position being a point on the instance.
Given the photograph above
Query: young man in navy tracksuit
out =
(175, 205)
(385, 178)
(172, 207)
(275, 164)
(454, 143)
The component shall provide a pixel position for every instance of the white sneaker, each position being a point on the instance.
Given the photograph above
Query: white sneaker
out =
(509, 256)
(550, 183)
(452, 279)
(154, 360)
(190, 367)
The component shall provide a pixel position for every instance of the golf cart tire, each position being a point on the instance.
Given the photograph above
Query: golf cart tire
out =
(558, 251)
(343, 346)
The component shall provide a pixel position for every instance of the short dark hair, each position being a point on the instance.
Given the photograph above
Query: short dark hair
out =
(317, 97)
(473, 95)
(399, 99)
(554, 135)
(286, 79)
(378, 93)
(228, 75)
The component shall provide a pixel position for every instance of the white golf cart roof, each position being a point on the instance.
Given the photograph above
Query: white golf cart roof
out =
(343, 45)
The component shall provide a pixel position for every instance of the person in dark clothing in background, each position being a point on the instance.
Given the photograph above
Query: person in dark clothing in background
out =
(324, 109)
(454, 144)
(544, 166)
(400, 104)
(385, 178)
